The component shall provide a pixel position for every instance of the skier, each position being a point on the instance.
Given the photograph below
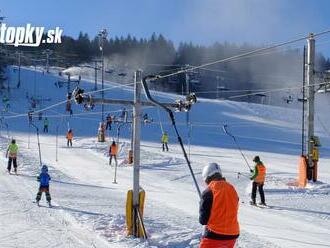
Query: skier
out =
(12, 150)
(146, 119)
(258, 177)
(218, 210)
(6, 103)
(69, 137)
(46, 123)
(44, 179)
(123, 115)
(109, 122)
(30, 113)
(165, 141)
(113, 152)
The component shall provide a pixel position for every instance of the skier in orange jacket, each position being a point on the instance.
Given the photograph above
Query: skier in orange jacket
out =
(218, 210)
(69, 137)
(258, 177)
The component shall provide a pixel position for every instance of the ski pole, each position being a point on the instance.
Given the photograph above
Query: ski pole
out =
(239, 148)
(170, 113)
(241, 174)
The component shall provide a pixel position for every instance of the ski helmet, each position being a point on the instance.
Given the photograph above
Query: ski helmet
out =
(44, 168)
(210, 170)
(256, 159)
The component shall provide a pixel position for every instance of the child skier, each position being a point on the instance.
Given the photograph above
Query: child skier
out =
(44, 179)
(113, 152)
(165, 141)
(69, 137)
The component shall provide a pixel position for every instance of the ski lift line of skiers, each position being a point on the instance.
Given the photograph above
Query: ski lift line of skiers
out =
(218, 198)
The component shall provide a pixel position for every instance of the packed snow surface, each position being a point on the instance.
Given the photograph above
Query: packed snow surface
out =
(89, 209)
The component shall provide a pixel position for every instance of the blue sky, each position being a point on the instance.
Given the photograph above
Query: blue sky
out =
(200, 21)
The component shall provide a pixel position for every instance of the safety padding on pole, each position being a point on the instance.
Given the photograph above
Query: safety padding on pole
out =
(129, 213)
(302, 176)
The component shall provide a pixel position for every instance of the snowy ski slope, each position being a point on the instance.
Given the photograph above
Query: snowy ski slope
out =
(89, 210)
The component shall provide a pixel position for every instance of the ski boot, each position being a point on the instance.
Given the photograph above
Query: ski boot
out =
(253, 203)
(49, 204)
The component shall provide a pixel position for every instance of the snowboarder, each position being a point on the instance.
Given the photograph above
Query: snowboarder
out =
(44, 179)
(46, 123)
(109, 122)
(113, 152)
(258, 177)
(165, 141)
(69, 137)
(218, 210)
(12, 158)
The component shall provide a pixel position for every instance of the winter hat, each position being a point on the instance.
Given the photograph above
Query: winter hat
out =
(210, 170)
(256, 159)
(44, 168)
(13, 141)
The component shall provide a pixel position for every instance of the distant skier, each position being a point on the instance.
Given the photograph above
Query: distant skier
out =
(258, 177)
(109, 122)
(123, 115)
(46, 124)
(12, 158)
(30, 114)
(44, 179)
(218, 210)
(165, 141)
(6, 103)
(69, 137)
(146, 119)
(113, 152)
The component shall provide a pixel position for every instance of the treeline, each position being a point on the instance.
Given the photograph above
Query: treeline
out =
(275, 68)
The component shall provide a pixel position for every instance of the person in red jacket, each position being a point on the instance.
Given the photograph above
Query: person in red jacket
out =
(218, 210)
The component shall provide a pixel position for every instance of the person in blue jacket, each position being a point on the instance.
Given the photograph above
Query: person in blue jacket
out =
(44, 179)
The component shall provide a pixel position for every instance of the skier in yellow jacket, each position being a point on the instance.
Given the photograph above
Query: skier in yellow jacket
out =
(165, 141)
(12, 155)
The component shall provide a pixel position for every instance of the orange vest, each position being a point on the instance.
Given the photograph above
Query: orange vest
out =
(113, 150)
(223, 218)
(69, 135)
(261, 173)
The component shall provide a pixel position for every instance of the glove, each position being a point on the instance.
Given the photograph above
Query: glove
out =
(251, 178)
(251, 171)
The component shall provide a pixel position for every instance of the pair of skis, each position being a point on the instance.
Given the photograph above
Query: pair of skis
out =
(38, 204)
